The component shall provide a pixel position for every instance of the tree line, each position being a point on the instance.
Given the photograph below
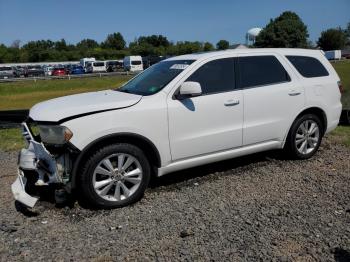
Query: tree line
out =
(287, 30)
(114, 47)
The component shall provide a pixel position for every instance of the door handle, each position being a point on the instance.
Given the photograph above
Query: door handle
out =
(294, 93)
(231, 102)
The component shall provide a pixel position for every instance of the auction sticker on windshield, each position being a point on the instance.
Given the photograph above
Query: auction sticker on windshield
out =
(179, 66)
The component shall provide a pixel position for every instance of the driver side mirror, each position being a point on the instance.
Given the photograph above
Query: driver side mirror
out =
(189, 89)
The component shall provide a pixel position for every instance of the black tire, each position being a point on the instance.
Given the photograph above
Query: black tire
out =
(87, 193)
(290, 146)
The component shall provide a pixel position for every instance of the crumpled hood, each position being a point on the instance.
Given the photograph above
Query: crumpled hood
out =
(61, 108)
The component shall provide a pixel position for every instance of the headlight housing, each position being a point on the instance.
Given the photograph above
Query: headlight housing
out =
(56, 135)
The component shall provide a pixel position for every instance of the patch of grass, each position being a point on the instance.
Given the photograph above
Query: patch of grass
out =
(341, 135)
(23, 95)
(11, 139)
(343, 70)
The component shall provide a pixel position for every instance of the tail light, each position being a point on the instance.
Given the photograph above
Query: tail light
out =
(341, 89)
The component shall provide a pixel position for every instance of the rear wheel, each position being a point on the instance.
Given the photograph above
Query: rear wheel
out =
(305, 137)
(115, 176)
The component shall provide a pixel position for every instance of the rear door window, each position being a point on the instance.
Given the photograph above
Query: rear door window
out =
(308, 66)
(261, 70)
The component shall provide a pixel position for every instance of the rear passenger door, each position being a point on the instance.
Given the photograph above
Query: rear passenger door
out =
(272, 97)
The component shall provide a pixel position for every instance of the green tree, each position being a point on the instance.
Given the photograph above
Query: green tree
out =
(143, 49)
(154, 40)
(332, 39)
(222, 45)
(39, 45)
(61, 45)
(188, 47)
(114, 41)
(347, 33)
(87, 44)
(208, 47)
(287, 30)
(3, 52)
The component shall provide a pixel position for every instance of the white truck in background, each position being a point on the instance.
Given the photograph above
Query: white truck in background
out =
(85, 60)
(133, 63)
(96, 67)
(333, 54)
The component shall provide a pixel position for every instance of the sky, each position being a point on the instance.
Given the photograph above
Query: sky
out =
(179, 20)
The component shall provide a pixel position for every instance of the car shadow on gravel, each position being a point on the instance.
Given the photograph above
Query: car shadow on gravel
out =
(341, 255)
(204, 171)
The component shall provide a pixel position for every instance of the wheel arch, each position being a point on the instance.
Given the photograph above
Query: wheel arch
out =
(310, 110)
(147, 146)
(318, 112)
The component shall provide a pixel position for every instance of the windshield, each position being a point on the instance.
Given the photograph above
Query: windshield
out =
(155, 78)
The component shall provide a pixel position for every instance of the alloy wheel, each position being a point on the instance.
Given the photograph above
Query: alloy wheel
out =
(117, 177)
(307, 137)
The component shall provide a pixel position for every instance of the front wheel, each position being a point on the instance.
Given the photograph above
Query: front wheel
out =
(115, 176)
(305, 137)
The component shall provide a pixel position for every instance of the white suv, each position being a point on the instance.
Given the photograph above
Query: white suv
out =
(182, 112)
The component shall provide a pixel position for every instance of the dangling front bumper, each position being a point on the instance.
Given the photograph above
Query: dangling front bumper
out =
(19, 193)
(37, 162)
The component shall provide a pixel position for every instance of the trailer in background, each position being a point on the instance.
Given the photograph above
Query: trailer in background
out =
(133, 63)
(85, 60)
(333, 54)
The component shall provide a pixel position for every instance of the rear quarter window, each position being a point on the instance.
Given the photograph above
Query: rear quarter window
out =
(308, 66)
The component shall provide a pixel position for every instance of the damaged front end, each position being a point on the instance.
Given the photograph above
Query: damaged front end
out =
(40, 165)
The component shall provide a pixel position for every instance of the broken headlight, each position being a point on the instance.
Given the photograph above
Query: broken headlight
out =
(55, 135)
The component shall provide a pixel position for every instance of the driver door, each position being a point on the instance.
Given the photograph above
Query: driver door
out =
(211, 122)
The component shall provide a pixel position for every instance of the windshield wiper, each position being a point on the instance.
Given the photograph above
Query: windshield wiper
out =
(122, 90)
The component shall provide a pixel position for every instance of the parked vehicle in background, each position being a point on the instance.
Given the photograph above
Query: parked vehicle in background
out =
(77, 70)
(182, 112)
(85, 60)
(34, 70)
(133, 63)
(48, 70)
(96, 67)
(114, 66)
(333, 54)
(68, 68)
(19, 71)
(59, 71)
(7, 72)
(151, 60)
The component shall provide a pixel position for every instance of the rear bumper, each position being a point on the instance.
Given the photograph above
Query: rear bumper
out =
(333, 117)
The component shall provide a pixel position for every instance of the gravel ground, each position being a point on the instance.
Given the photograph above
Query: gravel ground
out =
(259, 207)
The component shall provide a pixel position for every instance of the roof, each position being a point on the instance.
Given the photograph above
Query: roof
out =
(282, 51)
